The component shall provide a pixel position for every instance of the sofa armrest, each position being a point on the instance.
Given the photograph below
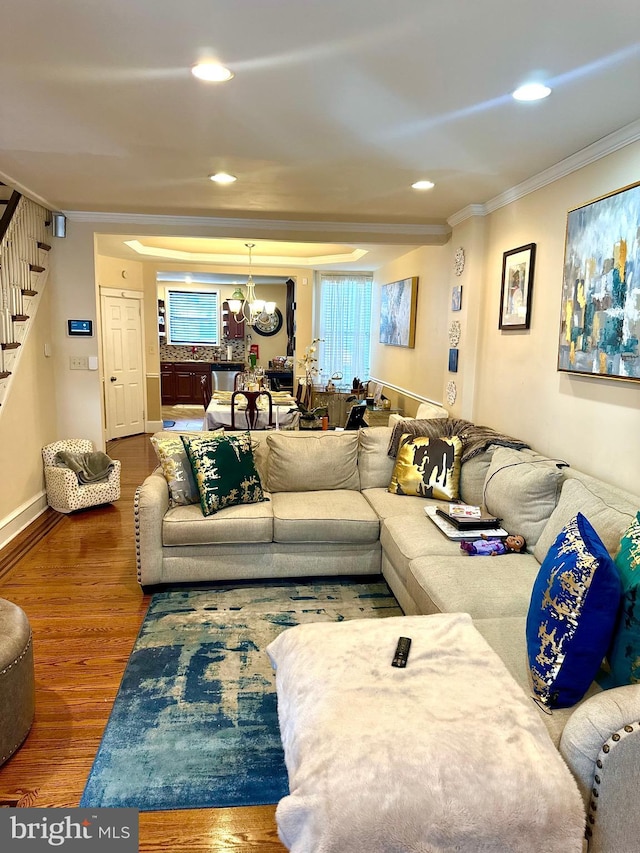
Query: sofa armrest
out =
(150, 504)
(601, 745)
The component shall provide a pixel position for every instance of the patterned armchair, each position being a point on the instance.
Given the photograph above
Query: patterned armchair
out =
(64, 492)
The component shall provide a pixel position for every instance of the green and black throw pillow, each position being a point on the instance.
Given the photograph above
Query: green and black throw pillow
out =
(224, 471)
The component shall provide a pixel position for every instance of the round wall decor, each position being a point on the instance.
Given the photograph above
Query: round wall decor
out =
(454, 333)
(452, 392)
(269, 324)
(458, 261)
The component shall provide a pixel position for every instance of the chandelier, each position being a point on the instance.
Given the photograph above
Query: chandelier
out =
(248, 308)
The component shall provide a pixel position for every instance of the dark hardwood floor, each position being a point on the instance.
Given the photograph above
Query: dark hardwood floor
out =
(75, 577)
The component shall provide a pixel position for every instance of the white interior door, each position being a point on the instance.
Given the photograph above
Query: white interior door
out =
(123, 363)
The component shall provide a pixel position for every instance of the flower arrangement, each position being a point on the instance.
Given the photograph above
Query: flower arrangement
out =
(309, 361)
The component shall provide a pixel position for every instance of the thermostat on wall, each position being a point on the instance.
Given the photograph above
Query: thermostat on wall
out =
(80, 328)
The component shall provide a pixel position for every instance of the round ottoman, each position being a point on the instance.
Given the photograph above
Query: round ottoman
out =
(17, 685)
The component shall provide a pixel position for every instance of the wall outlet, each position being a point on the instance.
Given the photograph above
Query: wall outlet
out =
(78, 362)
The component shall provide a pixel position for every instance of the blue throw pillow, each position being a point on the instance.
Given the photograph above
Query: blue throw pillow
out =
(572, 614)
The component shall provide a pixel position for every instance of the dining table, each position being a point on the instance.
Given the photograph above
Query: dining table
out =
(218, 412)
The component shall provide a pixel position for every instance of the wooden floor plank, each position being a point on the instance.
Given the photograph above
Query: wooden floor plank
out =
(76, 580)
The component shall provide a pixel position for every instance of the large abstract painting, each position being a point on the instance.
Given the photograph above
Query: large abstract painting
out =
(600, 321)
(398, 312)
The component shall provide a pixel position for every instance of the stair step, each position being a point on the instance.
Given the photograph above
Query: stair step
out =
(36, 268)
(44, 246)
(19, 318)
(14, 345)
(27, 292)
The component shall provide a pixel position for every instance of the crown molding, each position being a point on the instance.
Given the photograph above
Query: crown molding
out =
(466, 213)
(596, 151)
(137, 220)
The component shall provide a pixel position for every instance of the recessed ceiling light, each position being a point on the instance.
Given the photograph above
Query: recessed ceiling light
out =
(212, 72)
(222, 178)
(423, 185)
(532, 92)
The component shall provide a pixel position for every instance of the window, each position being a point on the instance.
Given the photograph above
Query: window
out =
(344, 325)
(193, 317)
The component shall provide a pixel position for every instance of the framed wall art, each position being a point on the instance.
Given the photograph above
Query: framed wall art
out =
(600, 316)
(398, 304)
(453, 360)
(456, 297)
(517, 286)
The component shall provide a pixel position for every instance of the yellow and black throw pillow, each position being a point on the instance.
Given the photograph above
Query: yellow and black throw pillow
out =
(427, 467)
(224, 471)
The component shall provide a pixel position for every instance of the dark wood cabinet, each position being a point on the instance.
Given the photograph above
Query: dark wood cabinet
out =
(231, 328)
(181, 382)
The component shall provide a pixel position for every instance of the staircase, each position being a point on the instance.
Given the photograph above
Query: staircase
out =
(24, 252)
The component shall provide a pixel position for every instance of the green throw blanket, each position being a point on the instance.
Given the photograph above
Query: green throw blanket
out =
(88, 467)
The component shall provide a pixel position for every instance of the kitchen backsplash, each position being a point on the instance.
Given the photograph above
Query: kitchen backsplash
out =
(219, 353)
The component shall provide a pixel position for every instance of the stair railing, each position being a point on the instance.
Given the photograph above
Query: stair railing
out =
(23, 274)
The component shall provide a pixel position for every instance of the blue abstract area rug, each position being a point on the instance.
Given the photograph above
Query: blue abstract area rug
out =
(195, 724)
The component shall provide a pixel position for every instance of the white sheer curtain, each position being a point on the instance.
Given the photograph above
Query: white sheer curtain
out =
(344, 325)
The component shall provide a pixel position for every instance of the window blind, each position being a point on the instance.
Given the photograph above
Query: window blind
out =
(344, 326)
(193, 317)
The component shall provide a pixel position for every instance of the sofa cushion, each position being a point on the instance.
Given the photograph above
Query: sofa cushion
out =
(473, 474)
(607, 509)
(521, 491)
(387, 505)
(506, 636)
(333, 515)
(572, 614)
(427, 467)
(299, 462)
(404, 538)
(499, 586)
(624, 656)
(238, 524)
(224, 470)
(374, 465)
(176, 468)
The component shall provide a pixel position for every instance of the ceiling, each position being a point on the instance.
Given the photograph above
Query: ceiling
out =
(336, 106)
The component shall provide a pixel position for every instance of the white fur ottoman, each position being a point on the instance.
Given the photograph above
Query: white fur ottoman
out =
(448, 754)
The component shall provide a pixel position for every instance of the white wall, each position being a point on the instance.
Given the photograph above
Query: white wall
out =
(591, 422)
(419, 369)
(27, 422)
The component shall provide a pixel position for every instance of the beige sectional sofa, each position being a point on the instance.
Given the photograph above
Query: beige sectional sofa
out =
(330, 513)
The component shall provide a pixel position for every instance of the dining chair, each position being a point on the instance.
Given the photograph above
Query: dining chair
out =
(251, 413)
(206, 392)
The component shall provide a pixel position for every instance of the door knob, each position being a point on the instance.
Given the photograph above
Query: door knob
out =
(113, 378)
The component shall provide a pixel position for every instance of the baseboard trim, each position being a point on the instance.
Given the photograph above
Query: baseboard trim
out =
(21, 517)
(23, 529)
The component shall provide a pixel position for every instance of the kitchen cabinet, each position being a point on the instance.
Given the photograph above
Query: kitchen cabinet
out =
(231, 328)
(181, 382)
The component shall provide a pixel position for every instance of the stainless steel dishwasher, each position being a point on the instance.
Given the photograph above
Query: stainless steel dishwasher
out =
(223, 375)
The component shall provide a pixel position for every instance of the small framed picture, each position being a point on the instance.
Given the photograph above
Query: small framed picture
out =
(517, 285)
(453, 361)
(456, 297)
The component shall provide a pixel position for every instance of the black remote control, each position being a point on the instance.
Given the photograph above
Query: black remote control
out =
(402, 652)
